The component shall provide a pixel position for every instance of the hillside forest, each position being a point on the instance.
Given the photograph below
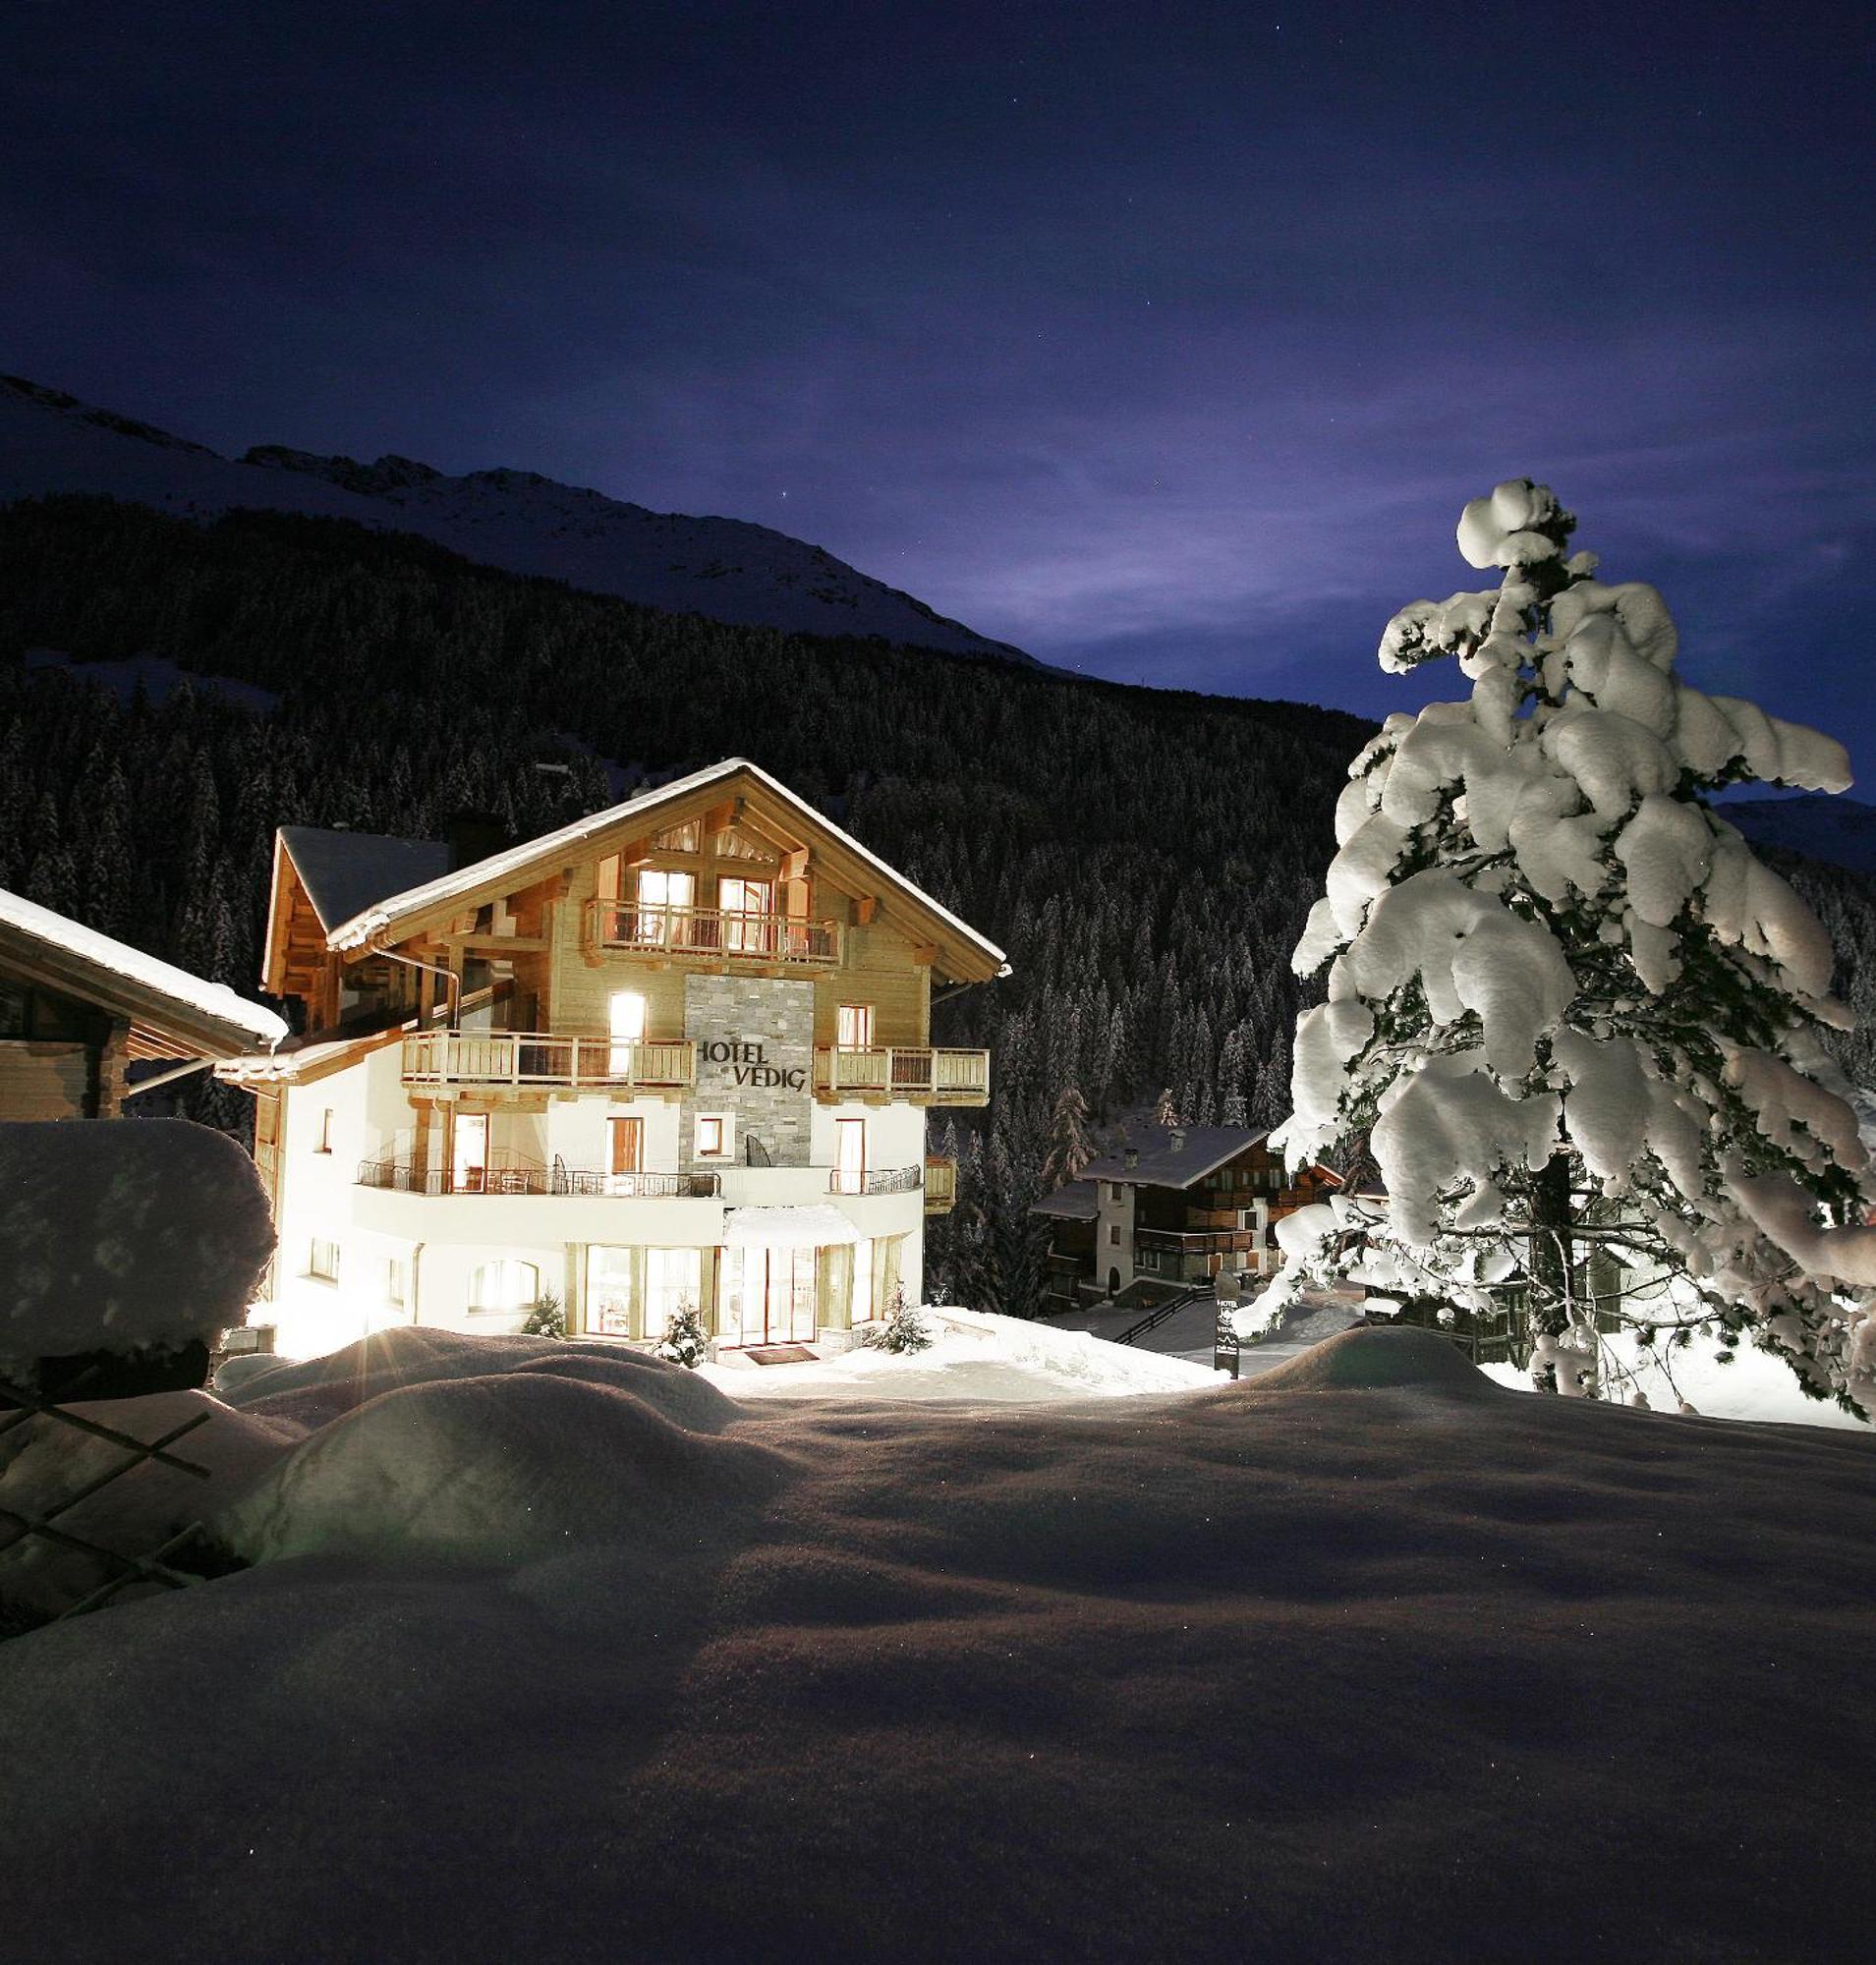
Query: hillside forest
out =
(1146, 857)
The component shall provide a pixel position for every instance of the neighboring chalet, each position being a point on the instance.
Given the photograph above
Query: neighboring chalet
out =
(678, 1052)
(1179, 1205)
(77, 1009)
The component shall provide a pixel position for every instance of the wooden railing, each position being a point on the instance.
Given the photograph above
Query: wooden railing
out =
(716, 932)
(403, 1177)
(940, 1077)
(897, 1180)
(518, 1059)
(940, 1186)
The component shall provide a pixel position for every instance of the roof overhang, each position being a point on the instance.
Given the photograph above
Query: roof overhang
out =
(172, 1014)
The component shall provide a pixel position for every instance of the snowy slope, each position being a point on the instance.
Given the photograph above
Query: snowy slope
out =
(724, 568)
(1838, 830)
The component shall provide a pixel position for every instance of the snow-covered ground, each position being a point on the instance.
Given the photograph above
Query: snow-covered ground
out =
(976, 1356)
(550, 1650)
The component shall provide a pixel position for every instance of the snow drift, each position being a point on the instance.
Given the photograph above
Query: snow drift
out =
(1328, 1664)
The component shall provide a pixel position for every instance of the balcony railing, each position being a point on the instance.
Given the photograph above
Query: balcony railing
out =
(1190, 1243)
(940, 1186)
(402, 1177)
(716, 932)
(935, 1077)
(520, 1060)
(897, 1180)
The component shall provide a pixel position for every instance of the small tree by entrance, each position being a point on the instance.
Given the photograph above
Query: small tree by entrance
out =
(685, 1341)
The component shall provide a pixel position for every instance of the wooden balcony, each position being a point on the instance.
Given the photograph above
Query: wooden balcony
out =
(711, 935)
(940, 1186)
(523, 1061)
(923, 1077)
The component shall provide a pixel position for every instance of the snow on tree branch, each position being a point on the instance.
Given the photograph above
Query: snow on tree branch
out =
(1566, 1004)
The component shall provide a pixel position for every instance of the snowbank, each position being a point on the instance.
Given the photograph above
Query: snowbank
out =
(569, 1657)
(143, 1234)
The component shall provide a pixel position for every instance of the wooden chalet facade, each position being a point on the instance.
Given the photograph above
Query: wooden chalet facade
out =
(677, 1052)
(1178, 1207)
(78, 1009)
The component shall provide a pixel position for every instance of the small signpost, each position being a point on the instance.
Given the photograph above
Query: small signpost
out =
(1226, 1344)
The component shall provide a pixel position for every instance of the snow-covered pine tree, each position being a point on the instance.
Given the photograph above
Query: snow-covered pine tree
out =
(902, 1328)
(685, 1341)
(1069, 1147)
(1167, 1112)
(1569, 1009)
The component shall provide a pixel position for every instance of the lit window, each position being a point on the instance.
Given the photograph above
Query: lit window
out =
(323, 1261)
(853, 1027)
(712, 1134)
(326, 1132)
(507, 1284)
(394, 1283)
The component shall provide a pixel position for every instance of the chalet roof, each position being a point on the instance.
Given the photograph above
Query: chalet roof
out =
(174, 1012)
(1078, 1200)
(388, 918)
(1175, 1156)
(344, 872)
(301, 1062)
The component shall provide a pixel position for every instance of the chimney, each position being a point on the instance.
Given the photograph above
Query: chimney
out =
(1130, 1159)
(1177, 1141)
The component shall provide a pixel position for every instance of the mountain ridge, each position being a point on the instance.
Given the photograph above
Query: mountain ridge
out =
(518, 521)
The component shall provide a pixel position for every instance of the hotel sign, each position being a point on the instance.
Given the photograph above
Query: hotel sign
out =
(748, 1064)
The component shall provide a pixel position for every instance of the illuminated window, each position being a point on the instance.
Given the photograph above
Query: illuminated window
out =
(853, 1027)
(326, 1132)
(679, 838)
(396, 1286)
(507, 1284)
(712, 1136)
(323, 1261)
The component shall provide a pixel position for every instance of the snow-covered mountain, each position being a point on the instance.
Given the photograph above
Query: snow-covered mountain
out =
(516, 520)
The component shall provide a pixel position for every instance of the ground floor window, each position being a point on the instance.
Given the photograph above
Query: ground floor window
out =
(506, 1284)
(635, 1292)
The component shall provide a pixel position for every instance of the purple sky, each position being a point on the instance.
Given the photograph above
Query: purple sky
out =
(1166, 341)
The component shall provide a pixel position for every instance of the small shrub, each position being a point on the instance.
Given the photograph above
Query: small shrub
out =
(685, 1342)
(903, 1329)
(547, 1317)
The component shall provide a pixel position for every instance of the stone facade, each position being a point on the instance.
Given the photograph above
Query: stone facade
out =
(754, 1039)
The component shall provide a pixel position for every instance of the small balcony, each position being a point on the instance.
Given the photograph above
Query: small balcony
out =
(525, 1178)
(897, 1180)
(520, 1061)
(920, 1076)
(940, 1186)
(711, 935)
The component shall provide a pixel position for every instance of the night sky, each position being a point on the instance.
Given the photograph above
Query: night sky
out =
(1166, 341)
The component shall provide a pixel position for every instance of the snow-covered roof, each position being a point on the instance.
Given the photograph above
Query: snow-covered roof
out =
(300, 1062)
(135, 985)
(344, 872)
(380, 920)
(817, 1225)
(1175, 1156)
(1078, 1200)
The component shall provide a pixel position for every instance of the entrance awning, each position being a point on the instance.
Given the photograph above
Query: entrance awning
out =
(812, 1227)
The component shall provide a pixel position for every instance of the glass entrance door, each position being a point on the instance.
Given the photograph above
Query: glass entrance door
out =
(777, 1296)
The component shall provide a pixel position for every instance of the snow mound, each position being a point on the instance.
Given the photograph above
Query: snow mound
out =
(506, 1468)
(141, 1235)
(978, 1355)
(1398, 1357)
(323, 1389)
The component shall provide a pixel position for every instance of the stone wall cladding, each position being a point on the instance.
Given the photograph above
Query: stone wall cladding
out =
(777, 1016)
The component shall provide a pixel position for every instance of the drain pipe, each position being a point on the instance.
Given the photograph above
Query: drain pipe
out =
(170, 1077)
(452, 981)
